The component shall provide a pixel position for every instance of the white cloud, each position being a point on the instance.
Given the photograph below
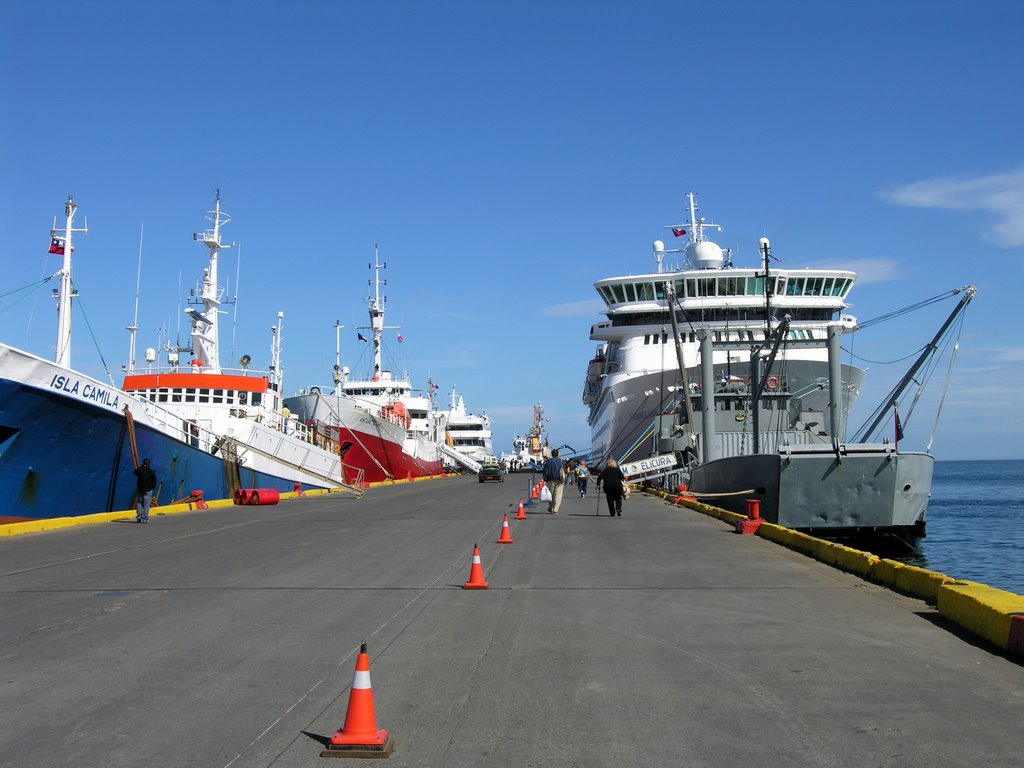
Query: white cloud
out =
(868, 270)
(1000, 194)
(1007, 354)
(586, 308)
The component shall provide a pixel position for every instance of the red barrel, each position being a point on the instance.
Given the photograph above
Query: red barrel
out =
(242, 496)
(259, 496)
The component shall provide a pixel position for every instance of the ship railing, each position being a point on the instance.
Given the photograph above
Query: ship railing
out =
(185, 368)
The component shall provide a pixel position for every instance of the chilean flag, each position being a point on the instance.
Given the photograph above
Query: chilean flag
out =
(361, 337)
(678, 232)
(57, 246)
(400, 338)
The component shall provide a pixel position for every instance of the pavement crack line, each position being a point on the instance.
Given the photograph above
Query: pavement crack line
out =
(430, 588)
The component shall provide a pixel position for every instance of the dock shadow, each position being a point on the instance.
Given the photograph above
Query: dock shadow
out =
(938, 620)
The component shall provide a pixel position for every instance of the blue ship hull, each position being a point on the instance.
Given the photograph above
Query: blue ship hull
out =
(61, 457)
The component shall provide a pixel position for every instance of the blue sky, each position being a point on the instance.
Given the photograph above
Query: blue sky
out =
(507, 155)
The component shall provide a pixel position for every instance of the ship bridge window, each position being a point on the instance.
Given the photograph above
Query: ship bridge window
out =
(659, 291)
(617, 293)
(630, 291)
(204, 395)
(161, 396)
(645, 291)
(731, 286)
(755, 286)
(175, 395)
(218, 396)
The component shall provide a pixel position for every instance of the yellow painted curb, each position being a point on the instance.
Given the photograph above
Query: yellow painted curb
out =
(981, 609)
(922, 582)
(886, 571)
(55, 523)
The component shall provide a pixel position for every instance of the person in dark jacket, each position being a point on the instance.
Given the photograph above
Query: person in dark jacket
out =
(614, 483)
(145, 484)
(554, 480)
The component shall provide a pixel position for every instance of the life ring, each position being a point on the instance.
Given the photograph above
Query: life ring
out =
(314, 390)
(772, 382)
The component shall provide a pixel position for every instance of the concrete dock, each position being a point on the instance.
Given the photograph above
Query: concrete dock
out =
(228, 637)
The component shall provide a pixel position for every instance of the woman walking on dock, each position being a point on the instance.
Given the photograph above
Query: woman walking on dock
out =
(614, 486)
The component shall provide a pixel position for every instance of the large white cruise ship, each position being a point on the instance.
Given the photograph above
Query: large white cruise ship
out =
(634, 387)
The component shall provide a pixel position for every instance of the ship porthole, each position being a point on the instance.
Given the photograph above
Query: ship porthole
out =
(906, 487)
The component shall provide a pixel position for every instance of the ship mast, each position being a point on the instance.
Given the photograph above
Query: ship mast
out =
(376, 303)
(63, 356)
(204, 323)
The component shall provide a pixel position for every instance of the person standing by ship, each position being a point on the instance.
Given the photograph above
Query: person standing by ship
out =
(582, 476)
(554, 478)
(614, 486)
(145, 483)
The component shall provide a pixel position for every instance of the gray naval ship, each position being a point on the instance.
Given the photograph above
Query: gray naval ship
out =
(764, 345)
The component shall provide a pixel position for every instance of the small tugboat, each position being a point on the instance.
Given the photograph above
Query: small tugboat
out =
(385, 429)
(69, 443)
(530, 450)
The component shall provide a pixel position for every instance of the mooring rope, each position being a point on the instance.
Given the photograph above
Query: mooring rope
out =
(706, 495)
(131, 436)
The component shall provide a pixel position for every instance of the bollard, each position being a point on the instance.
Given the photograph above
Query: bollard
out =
(200, 502)
(298, 490)
(753, 521)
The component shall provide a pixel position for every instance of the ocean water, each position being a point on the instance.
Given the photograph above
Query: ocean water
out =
(975, 523)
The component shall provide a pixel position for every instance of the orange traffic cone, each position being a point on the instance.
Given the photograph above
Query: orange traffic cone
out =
(506, 534)
(520, 513)
(476, 572)
(359, 736)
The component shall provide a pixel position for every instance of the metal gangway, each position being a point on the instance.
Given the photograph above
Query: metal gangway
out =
(459, 458)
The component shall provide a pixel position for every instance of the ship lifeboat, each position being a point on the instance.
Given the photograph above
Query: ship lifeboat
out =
(397, 413)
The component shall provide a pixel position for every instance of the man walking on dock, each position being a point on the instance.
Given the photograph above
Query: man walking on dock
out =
(144, 485)
(554, 478)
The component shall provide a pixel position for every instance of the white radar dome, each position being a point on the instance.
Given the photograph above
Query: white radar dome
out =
(705, 255)
(150, 355)
(659, 246)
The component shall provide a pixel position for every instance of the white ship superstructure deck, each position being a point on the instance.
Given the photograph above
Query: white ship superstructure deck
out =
(633, 377)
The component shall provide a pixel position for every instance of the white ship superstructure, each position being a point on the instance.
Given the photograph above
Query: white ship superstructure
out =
(468, 433)
(633, 382)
